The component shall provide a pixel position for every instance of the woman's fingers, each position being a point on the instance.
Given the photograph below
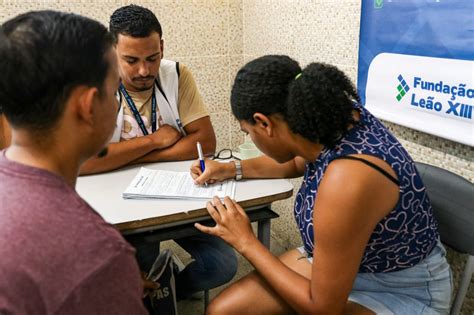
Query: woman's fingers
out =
(198, 175)
(202, 178)
(204, 229)
(232, 223)
(195, 170)
(219, 206)
(238, 207)
(213, 212)
(195, 174)
(230, 206)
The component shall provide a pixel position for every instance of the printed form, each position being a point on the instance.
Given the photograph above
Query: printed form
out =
(151, 184)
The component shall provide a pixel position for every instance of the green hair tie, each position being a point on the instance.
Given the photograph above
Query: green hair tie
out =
(298, 75)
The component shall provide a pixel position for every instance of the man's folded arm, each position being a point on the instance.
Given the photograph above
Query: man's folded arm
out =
(185, 149)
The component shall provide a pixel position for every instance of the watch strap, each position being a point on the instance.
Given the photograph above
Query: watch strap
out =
(238, 170)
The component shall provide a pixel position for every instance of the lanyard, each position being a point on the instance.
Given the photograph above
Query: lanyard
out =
(135, 112)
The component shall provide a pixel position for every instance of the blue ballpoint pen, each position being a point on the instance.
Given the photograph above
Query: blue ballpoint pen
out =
(201, 159)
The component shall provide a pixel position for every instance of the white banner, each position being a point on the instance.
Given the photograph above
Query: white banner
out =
(434, 95)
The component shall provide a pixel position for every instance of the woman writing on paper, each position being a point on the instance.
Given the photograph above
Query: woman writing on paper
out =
(370, 240)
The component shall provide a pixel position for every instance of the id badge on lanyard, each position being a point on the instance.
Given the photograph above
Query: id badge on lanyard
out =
(135, 112)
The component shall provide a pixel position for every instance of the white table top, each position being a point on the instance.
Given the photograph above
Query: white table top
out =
(104, 193)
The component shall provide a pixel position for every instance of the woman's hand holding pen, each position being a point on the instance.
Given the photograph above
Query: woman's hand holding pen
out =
(232, 223)
(214, 172)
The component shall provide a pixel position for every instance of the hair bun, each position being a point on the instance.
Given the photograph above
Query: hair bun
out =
(320, 103)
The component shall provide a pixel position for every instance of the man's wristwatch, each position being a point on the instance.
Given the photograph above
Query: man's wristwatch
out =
(238, 170)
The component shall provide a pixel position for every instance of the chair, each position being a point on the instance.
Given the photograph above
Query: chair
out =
(452, 197)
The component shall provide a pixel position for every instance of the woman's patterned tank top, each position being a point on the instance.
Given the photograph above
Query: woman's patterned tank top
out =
(409, 232)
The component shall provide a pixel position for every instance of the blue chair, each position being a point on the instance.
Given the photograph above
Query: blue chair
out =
(452, 197)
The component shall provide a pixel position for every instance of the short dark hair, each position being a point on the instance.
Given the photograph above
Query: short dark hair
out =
(43, 56)
(316, 102)
(133, 20)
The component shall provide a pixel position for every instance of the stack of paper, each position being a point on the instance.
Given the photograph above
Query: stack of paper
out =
(150, 184)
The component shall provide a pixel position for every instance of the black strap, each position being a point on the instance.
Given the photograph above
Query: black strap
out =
(161, 90)
(374, 166)
(119, 100)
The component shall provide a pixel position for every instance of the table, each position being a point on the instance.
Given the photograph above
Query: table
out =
(171, 219)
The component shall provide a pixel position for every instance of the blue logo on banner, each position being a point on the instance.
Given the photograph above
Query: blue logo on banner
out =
(402, 88)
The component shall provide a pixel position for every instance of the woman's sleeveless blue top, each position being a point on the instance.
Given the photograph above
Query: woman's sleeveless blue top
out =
(409, 232)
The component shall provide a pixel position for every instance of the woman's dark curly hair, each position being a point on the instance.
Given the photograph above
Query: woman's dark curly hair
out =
(316, 102)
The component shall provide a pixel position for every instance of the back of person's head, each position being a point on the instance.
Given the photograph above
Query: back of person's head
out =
(135, 21)
(44, 55)
(316, 102)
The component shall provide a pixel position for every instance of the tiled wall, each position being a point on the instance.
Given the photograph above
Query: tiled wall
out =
(214, 38)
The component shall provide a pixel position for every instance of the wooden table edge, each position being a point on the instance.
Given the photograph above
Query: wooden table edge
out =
(196, 214)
